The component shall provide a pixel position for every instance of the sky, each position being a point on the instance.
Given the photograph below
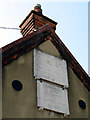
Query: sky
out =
(72, 27)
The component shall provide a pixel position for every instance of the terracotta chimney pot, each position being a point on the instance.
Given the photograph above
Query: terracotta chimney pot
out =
(38, 9)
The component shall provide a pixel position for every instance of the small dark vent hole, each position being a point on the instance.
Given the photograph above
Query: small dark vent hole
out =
(82, 104)
(17, 85)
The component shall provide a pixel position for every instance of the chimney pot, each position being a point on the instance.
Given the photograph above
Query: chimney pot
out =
(38, 9)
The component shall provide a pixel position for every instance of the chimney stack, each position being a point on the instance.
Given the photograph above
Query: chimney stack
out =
(35, 20)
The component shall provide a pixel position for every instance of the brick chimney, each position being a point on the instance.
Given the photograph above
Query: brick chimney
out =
(35, 20)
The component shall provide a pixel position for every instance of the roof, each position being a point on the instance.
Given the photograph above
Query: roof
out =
(15, 49)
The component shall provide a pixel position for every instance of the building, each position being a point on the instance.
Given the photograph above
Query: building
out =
(41, 78)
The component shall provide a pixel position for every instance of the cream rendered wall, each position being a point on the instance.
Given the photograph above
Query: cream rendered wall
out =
(22, 104)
